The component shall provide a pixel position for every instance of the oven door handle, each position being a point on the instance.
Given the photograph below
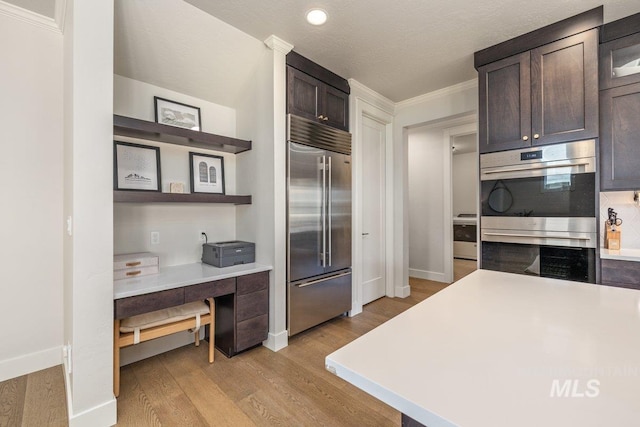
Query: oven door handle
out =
(525, 169)
(537, 236)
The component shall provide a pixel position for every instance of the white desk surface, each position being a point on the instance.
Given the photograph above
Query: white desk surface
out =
(486, 350)
(180, 275)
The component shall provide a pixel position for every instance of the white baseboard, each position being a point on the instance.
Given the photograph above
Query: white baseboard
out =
(427, 275)
(105, 415)
(402, 291)
(32, 362)
(276, 342)
(355, 310)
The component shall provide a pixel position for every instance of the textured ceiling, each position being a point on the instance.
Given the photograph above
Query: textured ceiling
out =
(399, 49)
(42, 7)
(403, 48)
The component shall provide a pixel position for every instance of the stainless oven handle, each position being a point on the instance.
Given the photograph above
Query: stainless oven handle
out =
(545, 236)
(567, 165)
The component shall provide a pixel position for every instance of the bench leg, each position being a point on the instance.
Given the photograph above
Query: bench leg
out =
(212, 327)
(116, 357)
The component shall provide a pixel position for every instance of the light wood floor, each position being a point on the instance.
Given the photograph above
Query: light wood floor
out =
(37, 399)
(258, 387)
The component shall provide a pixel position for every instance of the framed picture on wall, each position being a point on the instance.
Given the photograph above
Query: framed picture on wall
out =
(136, 167)
(177, 114)
(207, 173)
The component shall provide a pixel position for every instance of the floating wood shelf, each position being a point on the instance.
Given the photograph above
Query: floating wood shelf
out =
(136, 128)
(124, 196)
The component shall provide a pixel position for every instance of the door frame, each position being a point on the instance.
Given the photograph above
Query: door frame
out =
(362, 108)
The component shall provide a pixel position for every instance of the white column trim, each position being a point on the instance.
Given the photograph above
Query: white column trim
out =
(34, 18)
(276, 43)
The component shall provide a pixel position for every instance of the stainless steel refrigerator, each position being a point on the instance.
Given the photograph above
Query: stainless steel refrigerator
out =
(318, 223)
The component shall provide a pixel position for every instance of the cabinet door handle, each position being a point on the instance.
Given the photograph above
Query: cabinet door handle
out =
(134, 273)
(525, 138)
(536, 136)
(133, 264)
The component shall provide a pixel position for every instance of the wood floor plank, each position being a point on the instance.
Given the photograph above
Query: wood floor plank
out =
(45, 403)
(12, 395)
(134, 406)
(167, 399)
(215, 407)
(328, 402)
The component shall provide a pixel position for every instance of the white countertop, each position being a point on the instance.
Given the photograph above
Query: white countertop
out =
(486, 351)
(622, 254)
(181, 275)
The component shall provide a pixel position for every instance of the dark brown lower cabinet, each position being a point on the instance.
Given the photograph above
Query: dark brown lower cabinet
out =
(623, 274)
(242, 319)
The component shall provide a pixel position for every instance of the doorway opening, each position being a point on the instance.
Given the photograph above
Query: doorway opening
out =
(430, 196)
(464, 195)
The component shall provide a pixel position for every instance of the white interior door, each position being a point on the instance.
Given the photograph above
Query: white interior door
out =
(373, 207)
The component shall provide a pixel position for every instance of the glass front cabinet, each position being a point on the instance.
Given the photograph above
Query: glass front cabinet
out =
(620, 62)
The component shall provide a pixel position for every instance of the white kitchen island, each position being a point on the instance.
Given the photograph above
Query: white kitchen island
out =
(498, 349)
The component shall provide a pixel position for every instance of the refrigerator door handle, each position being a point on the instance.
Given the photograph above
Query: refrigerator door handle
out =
(324, 279)
(323, 252)
(330, 231)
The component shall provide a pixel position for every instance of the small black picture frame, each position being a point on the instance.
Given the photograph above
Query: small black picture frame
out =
(177, 114)
(206, 173)
(136, 167)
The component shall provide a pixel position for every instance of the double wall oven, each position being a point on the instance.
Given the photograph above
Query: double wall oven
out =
(539, 211)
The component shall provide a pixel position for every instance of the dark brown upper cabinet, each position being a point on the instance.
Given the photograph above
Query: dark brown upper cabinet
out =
(620, 105)
(620, 62)
(620, 138)
(543, 96)
(316, 93)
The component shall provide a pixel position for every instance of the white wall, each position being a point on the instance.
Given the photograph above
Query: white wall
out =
(465, 183)
(180, 224)
(88, 173)
(31, 307)
(628, 211)
(455, 101)
(261, 114)
(426, 186)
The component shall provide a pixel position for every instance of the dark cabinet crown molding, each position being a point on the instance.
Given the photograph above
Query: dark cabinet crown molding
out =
(620, 28)
(305, 65)
(576, 24)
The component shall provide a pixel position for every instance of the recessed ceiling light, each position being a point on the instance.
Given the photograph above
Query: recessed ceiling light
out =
(316, 17)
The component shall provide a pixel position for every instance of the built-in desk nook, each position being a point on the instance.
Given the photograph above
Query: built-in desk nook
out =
(240, 292)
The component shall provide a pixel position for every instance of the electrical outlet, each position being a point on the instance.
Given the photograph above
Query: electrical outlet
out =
(155, 237)
(202, 236)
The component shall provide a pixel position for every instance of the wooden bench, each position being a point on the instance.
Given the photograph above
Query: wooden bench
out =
(144, 327)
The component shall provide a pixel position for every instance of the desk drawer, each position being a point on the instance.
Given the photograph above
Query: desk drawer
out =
(209, 289)
(252, 332)
(252, 282)
(252, 305)
(127, 307)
